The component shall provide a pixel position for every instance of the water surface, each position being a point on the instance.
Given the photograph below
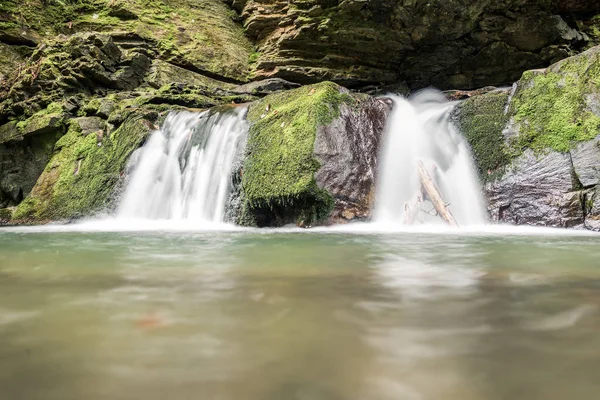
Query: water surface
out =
(297, 315)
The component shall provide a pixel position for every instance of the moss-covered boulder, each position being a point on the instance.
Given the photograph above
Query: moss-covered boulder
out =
(86, 165)
(298, 141)
(537, 147)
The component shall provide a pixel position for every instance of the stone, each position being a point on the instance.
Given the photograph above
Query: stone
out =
(536, 190)
(449, 44)
(311, 156)
(586, 162)
(39, 124)
(347, 150)
(265, 86)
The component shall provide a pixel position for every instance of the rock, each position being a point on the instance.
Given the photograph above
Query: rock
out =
(163, 73)
(536, 190)
(586, 162)
(347, 150)
(449, 44)
(121, 11)
(40, 123)
(5, 215)
(481, 119)
(592, 206)
(311, 156)
(80, 178)
(265, 86)
(22, 160)
(537, 146)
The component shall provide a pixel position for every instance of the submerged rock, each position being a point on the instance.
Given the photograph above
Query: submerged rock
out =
(537, 146)
(311, 157)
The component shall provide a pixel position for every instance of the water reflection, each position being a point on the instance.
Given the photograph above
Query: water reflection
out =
(297, 316)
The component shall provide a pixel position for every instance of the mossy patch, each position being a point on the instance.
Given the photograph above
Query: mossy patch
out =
(197, 34)
(481, 120)
(278, 173)
(551, 107)
(81, 175)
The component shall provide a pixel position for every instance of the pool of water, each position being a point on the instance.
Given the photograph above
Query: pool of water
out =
(298, 315)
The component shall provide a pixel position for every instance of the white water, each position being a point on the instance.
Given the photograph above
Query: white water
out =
(420, 129)
(184, 170)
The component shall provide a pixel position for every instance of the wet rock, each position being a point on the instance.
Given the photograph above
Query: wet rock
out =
(592, 205)
(537, 144)
(586, 162)
(311, 157)
(536, 190)
(347, 151)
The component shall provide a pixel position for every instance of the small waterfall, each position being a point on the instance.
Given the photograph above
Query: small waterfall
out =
(421, 129)
(184, 170)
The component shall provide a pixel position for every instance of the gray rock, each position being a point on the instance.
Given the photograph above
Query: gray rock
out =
(536, 191)
(90, 124)
(586, 162)
(347, 150)
(265, 87)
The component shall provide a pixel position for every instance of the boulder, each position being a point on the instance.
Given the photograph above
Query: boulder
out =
(311, 157)
(537, 146)
(85, 167)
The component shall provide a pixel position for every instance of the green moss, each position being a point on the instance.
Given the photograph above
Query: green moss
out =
(280, 166)
(550, 106)
(186, 32)
(482, 119)
(5, 214)
(81, 175)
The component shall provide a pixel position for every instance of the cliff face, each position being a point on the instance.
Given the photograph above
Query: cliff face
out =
(82, 82)
(447, 44)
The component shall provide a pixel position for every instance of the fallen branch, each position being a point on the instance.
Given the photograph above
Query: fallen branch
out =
(434, 195)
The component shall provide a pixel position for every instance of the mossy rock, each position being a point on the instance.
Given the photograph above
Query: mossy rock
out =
(81, 176)
(558, 107)
(278, 180)
(200, 35)
(481, 119)
(553, 109)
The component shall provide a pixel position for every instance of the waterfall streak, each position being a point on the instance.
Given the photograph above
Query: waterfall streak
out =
(420, 130)
(184, 170)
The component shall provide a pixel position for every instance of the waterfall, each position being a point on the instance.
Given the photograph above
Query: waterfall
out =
(420, 129)
(184, 170)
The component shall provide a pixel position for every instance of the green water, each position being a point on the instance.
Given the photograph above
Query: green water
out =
(264, 315)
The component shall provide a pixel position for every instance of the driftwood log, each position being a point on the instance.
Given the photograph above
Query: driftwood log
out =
(434, 195)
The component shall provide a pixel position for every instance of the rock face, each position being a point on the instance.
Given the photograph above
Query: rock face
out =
(311, 157)
(538, 145)
(347, 150)
(448, 44)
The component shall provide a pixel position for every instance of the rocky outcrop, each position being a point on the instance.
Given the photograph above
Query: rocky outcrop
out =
(311, 157)
(538, 145)
(448, 44)
(196, 35)
(85, 167)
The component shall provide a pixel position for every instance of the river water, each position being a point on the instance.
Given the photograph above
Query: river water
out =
(306, 315)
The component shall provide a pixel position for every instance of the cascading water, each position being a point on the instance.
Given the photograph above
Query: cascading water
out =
(184, 170)
(420, 130)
